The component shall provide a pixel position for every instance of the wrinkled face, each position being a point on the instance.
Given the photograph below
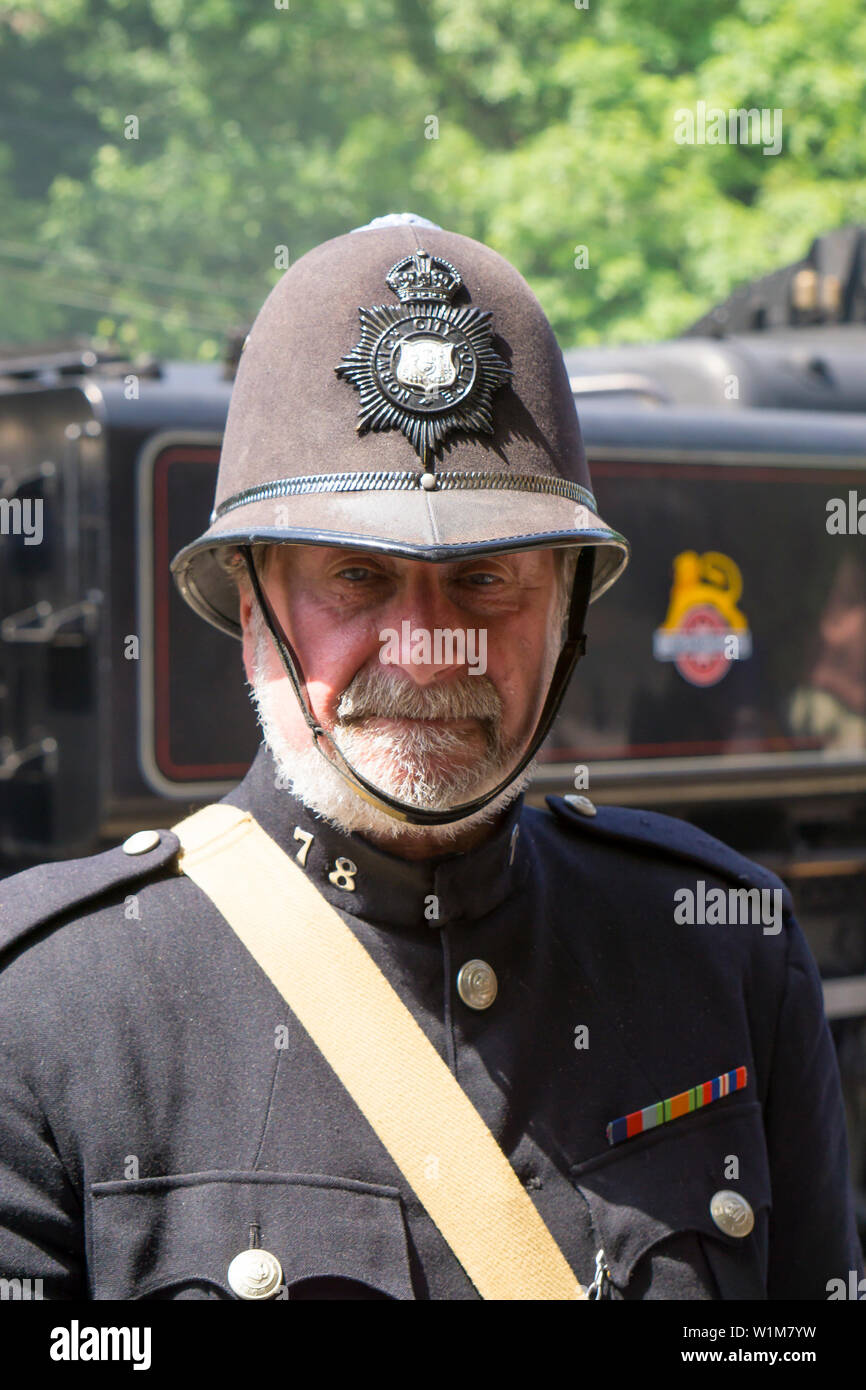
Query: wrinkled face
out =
(429, 678)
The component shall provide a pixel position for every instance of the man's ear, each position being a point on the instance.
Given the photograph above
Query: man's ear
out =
(245, 612)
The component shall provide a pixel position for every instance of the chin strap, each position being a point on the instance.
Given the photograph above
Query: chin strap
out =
(573, 649)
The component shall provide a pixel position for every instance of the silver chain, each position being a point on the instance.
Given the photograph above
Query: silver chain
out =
(602, 1278)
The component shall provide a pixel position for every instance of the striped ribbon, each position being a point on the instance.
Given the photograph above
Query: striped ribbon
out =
(664, 1110)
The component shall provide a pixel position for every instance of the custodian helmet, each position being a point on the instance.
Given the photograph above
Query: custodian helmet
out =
(402, 391)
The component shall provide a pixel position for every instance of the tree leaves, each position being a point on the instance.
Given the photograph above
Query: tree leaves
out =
(538, 128)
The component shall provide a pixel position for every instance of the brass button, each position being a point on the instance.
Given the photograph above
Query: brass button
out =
(732, 1213)
(255, 1274)
(581, 804)
(476, 984)
(141, 842)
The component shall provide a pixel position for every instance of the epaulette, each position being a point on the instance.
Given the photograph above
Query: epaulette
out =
(669, 835)
(31, 898)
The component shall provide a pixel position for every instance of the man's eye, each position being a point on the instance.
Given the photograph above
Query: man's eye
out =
(480, 578)
(356, 573)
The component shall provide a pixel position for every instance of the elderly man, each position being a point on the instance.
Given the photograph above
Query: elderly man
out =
(370, 1027)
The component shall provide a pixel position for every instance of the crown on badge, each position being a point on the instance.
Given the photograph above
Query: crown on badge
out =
(424, 277)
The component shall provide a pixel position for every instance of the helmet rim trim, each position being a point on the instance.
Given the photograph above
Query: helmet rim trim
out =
(474, 480)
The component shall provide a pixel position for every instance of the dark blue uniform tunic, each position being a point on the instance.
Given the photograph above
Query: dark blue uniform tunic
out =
(157, 1098)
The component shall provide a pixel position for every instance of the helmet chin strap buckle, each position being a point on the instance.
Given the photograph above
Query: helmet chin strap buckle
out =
(571, 652)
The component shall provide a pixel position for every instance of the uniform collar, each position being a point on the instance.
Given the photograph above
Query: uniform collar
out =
(388, 889)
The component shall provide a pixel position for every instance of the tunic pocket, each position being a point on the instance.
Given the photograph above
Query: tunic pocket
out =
(174, 1237)
(651, 1200)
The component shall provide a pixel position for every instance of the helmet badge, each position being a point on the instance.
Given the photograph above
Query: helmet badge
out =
(424, 366)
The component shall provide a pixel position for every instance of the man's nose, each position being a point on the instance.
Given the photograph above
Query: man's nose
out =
(431, 632)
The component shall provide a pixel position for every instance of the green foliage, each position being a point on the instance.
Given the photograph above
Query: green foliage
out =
(261, 127)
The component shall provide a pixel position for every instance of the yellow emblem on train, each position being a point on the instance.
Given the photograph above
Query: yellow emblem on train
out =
(704, 629)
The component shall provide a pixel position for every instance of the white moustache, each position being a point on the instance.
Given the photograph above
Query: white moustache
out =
(372, 694)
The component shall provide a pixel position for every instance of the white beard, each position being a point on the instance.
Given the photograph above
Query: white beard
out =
(411, 766)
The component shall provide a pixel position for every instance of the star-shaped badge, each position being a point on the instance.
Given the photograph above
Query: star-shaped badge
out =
(423, 366)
